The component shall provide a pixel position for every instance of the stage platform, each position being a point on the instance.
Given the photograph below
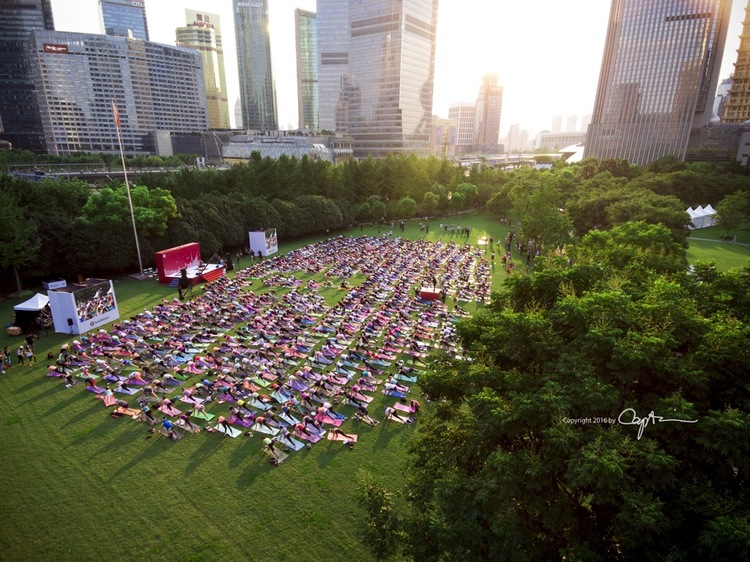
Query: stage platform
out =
(195, 274)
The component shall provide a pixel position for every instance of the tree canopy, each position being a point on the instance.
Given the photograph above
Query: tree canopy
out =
(598, 415)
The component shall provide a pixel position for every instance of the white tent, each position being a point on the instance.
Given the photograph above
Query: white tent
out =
(27, 311)
(35, 303)
(702, 218)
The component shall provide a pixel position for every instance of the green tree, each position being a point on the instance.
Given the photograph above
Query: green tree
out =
(733, 210)
(430, 203)
(18, 241)
(469, 192)
(530, 453)
(406, 208)
(152, 209)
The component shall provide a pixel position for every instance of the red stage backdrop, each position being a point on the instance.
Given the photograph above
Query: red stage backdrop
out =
(170, 262)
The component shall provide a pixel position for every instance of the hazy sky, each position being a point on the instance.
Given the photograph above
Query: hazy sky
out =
(547, 53)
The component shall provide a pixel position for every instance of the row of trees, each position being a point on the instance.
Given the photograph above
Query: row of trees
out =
(603, 416)
(66, 228)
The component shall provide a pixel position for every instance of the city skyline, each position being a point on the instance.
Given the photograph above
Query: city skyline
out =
(558, 49)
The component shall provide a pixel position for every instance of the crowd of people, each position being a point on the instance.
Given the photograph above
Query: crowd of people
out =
(279, 361)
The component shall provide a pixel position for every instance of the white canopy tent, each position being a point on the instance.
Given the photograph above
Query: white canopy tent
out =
(702, 217)
(35, 303)
(27, 312)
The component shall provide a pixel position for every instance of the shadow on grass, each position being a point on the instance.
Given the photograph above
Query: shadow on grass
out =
(208, 448)
(126, 436)
(32, 384)
(151, 449)
(388, 430)
(51, 390)
(96, 406)
(258, 463)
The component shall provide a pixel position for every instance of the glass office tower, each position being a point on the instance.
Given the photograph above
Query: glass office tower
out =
(123, 14)
(156, 88)
(376, 73)
(257, 90)
(737, 109)
(658, 77)
(19, 113)
(489, 107)
(203, 33)
(305, 24)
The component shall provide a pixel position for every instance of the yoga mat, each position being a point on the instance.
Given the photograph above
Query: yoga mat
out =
(109, 400)
(280, 455)
(232, 432)
(396, 393)
(366, 419)
(288, 419)
(311, 438)
(406, 378)
(234, 420)
(182, 424)
(292, 443)
(263, 429)
(391, 417)
(169, 410)
(351, 438)
(95, 389)
(145, 419)
(363, 397)
(258, 404)
(403, 407)
(191, 400)
(165, 433)
(127, 412)
(329, 420)
(203, 416)
(129, 391)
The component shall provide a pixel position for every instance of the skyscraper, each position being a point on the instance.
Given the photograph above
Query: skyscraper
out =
(115, 16)
(489, 107)
(203, 32)
(737, 107)
(157, 88)
(464, 115)
(257, 90)
(19, 113)
(376, 72)
(658, 77)
(305, 24)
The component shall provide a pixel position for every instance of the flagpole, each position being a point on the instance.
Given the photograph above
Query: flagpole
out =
(127, 185)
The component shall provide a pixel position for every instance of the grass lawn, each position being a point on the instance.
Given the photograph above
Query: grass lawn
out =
(706, 244)
(78, 485)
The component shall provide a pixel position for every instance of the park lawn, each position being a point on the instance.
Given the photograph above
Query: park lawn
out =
(79, 485)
